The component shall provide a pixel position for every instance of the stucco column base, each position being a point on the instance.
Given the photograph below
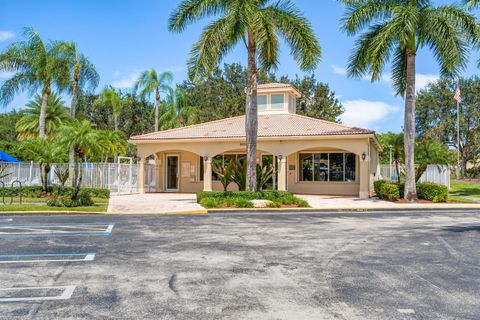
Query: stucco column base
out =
(364, 195)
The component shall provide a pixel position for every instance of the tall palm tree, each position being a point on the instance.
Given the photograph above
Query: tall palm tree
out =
(36, 64)
(401, 27)
(56, 116)
(176, 110)
(85, 141)
(111, 99)
(83, 75)
(257, 24)
(151, 82)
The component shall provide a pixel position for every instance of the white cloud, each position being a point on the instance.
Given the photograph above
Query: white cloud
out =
(6, 74)
(339, 70)
(424, 79)
(5, 35)
(127, 81)
(362, 113)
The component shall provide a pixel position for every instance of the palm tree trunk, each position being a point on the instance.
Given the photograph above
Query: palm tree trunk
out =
(157, 102)
(43, 114)
(73, 106)
(251, 118)
(409, 129)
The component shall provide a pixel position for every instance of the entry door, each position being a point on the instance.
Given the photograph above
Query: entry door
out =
(172, 173)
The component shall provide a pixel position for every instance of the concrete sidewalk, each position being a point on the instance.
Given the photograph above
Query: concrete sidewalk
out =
(324, 202)
(155, 203)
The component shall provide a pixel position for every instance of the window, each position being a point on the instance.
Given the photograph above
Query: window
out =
(262, 102)
(334, 166)
(200, 167)
(291, 103)
(277, 102)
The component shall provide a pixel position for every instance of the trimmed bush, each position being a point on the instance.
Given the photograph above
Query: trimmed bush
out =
(432, 191)
(83, 200)
(242, 199)
(377, 185)
(389, 191)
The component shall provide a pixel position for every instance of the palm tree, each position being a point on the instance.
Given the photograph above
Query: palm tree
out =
(85, 141)
(57, 115)
(111, 99)
(113, 142)
(257, 24)
(83, 74)
(152, 82)
(44, 152)
(36, 65)
(175, 110)
(401, 27)
(472, 3)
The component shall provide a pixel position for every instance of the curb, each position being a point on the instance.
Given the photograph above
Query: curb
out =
(49, 213)
(336, 209)
(185, 212)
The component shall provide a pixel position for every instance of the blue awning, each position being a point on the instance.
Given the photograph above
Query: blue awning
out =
(5, 157)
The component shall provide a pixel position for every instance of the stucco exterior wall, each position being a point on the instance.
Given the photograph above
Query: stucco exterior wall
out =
(189, 165)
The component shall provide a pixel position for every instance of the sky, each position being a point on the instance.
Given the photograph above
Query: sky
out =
(123, 37)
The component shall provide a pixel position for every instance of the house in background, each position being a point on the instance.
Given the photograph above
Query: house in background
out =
(310, 156)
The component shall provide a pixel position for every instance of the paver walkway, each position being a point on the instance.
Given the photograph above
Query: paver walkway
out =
(154, 203)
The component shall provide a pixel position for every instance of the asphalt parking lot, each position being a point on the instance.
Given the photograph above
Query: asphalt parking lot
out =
(392, 265)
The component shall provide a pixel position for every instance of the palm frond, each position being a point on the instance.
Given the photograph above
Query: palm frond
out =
(298, 33)
(193, 10)
(360, 14)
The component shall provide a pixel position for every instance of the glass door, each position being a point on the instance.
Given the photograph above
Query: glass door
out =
(172, 172)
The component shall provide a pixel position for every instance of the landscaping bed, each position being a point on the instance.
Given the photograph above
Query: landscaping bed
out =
(246, 199)
(426, 192)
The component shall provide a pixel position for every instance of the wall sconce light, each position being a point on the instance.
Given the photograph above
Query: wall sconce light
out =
(364, 156)
(205, 158)
(280, 157)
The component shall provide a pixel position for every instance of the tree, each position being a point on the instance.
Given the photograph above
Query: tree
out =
(401, 28)
(36, 65)
(44, 152)
(114, 143)
(395, 141)
(431, 152)
(317, 100)
(7, 125)
(111, 99)
(176, 110)
(85, 142)
(151, 82)
(257, 25)
(436, 116)
(56, 115)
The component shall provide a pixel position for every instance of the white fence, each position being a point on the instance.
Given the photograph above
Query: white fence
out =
(117, 177)
(435, 173)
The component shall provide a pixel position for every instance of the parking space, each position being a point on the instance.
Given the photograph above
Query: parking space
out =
(36, 253)
(383, 265)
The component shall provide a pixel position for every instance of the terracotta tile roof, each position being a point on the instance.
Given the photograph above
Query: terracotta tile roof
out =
(269, 125)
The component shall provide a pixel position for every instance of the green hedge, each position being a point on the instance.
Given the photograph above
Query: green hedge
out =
(432, 191)
(37, 191)
(242, 199)
(392, 191)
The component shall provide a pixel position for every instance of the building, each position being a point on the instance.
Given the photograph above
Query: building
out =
(310, 156)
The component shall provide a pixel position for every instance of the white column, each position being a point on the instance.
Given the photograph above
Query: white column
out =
(364, 176)
(282, 173)
(141, 175)
(207, 174)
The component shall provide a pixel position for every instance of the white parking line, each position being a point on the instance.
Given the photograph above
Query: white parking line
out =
(33, 230)
(406, 311)
(30, 258)
(66, 294)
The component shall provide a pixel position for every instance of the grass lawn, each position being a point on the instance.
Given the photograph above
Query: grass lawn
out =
(460, 189)
(39, 207)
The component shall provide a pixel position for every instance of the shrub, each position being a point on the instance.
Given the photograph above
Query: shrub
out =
(389, 191)
(242, 199)
(243, 203)
(83, 200)
(37, 191)
(377, 185)
(432, 191)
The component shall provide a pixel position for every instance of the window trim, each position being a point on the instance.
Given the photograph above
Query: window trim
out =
(298, 175)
